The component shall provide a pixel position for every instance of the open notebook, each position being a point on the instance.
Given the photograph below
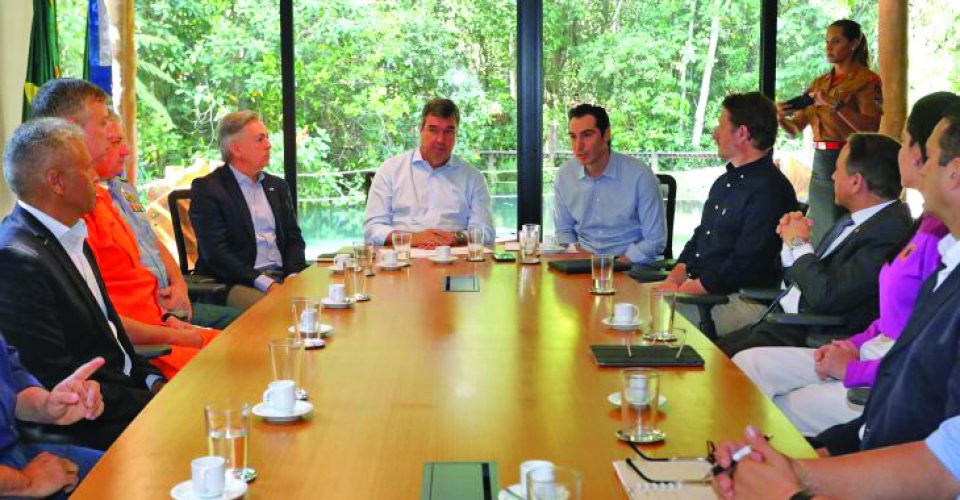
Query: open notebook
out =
(638, 489)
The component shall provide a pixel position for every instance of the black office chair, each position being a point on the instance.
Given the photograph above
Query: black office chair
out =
(199, 287)
(367, 183)
(668, 190)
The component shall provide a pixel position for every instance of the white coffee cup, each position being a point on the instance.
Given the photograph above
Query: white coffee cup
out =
(208, 476)
(388, 257)
(443, 252)
(281, 395)
(337, 293)
(526, 467)
(341, 260)
(625, 312)
(638, 393)
(308, 320)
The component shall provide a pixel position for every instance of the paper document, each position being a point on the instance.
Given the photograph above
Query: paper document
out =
(638, 489)
(420, 253)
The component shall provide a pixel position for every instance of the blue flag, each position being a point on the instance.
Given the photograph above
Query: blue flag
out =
(97, 56)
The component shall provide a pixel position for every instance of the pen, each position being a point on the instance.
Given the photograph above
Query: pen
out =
(737, 456)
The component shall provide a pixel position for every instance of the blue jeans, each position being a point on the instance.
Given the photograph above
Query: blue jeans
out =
(20, 454)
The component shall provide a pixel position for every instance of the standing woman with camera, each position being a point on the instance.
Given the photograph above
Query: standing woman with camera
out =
(845, 100)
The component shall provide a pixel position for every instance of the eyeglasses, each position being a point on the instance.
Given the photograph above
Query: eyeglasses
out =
(710, 458)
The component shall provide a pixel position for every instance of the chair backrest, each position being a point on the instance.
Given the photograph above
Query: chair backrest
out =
(187, 251)
(668, 190)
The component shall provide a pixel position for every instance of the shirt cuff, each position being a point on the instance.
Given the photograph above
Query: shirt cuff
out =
(152, 379)
(263, 282)
(786, 256)
(637, 256)
(801, 250)
(944, 443)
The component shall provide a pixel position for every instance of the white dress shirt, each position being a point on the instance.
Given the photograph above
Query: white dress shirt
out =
(408, 194)
(72, 240)
(949, 255)
(791, 301)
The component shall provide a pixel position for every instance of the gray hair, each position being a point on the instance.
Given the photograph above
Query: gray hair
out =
(34, 148)
(230, 125)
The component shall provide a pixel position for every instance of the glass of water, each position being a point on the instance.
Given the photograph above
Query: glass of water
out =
(551, 482)
(306, 319)
(529, 243)
(663, 310)
(286, 362)
(640, 405)
(601, 269)
(476, 237)
(401, 244)
(228, 432)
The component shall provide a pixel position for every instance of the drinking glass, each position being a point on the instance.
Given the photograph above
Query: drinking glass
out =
(529, 243)
(553, 483)
(639, 406)
(401, 244)
(228, 430)
(286, 361)
(355, 283)
(601, 268)
(306, 319)
(663, 309)
(476, 237)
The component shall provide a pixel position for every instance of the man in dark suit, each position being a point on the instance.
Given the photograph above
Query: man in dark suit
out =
(840, 276)
(245, 221)
(53, 305)
(918, 381)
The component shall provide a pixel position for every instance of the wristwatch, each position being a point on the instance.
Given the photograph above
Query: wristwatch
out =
(460, 238)
(802, 495)
(795, 243)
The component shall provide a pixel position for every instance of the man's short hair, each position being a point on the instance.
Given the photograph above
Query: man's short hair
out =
(874, 157)
(230, 125)
(950, 140)
(598, 113)
(34, 147)
(65, 97)
(756, 112)
(441, 108)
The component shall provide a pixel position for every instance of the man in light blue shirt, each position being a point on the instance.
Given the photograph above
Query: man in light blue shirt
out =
(607, 202)
(427, 191)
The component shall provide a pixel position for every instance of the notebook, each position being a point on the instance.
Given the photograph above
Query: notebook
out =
(638, 489)
(647, 355)
(581, 266)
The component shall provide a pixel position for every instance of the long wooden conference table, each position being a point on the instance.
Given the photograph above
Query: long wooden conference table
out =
(418, 374)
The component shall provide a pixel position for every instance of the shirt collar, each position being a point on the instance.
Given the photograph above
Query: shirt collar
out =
(612, 170)
(424, 164)
(949, 251)
(754, 166)
(69, 237)
(243, 179)
(862, 215)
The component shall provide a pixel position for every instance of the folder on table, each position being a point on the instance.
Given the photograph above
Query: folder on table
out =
(581, 266)
(646, 355)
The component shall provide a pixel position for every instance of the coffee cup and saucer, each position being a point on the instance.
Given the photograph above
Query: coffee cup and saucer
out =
(626, 317)
(389, 261)
(519, 491)
(443, 255)
(340, 263)
(280, 403)
(313, 343)
(209, 480)
(337, 297)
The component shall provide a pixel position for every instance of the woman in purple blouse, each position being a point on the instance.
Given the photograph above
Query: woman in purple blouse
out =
(810, 385)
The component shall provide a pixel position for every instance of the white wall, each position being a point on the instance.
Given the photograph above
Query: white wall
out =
(15, 19)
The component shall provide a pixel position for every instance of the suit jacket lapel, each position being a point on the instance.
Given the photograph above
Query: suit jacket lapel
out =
(887, 211)
(233, 190)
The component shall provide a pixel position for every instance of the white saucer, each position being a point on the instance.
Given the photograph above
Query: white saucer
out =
(328, 304)
(548, 249)
(596, 292)
(624, 327)
(614, 399)
(528, 262)
(300, 408)
(325, 329)
(335, 270)
(438, 260)
(511, 492)
(392, 267)
(232, 488)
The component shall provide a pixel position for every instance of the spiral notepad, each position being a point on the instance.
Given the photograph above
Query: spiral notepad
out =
(638, 489)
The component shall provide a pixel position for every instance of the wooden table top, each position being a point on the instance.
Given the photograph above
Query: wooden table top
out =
(418, 375)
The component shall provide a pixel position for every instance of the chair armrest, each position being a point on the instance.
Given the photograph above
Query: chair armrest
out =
(805, 319)
(858, 395)
(706, 299)
(153, 351)
(663, 264)
(205, 288)
(760, 294)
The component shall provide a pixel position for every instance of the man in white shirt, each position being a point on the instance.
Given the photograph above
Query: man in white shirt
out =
(428, 192)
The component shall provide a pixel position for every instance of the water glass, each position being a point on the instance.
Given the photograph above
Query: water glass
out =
(355, 283)
(639, 406)
(286, 361)
(663, 309)
(401, 244)
(228, 432)
(529, 243)
(476, 237)
(554, 483)
(306, 318)
(601, 269)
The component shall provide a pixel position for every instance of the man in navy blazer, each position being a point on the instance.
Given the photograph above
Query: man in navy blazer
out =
(54, 307)
(918, 382)
(244, 218)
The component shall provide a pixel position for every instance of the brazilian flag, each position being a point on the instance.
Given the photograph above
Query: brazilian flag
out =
(44, 62)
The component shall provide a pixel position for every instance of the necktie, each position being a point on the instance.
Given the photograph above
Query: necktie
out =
(835, 232)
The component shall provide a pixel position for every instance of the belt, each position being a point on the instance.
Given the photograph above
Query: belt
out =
(828, 145)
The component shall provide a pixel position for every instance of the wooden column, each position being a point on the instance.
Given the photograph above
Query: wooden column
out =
(122, 30)
(893, 21)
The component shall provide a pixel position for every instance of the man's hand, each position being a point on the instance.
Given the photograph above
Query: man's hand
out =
(677, 275)
(189, 335)
(432, 238)
(623, 259)
(48, 474)
(157, 386)
(692, 286)
(764, 474)
(76, 397)
(794, 226)
(834, 358)
(175, 298)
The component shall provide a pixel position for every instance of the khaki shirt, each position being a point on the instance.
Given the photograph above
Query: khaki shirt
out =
(859, 91)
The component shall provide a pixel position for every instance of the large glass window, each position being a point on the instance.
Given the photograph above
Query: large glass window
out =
(660, 69)
(365, 68)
